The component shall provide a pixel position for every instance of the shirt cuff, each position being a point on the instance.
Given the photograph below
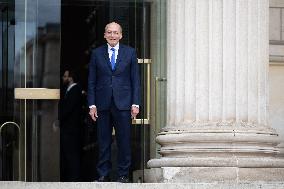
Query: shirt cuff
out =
(92, 106)
(135, 105)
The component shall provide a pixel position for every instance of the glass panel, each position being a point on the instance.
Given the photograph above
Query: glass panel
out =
(143, 24)
(159, 72)
(39, 43)
(37, 64)
(77, 43)
(9, 132)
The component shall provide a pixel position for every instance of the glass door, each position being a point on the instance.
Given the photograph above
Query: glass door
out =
(37, 81)
(9, 130)
(85, 32)
(30, 64)
(42, 38)
(143, 24)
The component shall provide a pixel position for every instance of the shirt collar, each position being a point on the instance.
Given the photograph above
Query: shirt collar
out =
(70, 86)
(116, 47)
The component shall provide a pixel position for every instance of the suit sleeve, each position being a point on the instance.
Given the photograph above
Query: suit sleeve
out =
(92, 80)
(135, 79)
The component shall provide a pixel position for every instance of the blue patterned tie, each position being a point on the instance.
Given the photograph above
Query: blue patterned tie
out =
(112, 59)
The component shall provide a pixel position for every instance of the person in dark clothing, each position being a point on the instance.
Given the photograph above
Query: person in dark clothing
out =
(113, 99)
(70, 117)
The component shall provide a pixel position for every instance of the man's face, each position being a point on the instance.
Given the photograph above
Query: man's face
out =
(65, 78)
(113, 34)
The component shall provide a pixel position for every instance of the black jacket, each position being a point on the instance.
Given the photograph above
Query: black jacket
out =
(70, 106)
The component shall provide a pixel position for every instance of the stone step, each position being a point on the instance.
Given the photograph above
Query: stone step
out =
(113, 185)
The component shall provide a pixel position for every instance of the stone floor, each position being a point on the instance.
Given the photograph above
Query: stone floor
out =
(112, 185)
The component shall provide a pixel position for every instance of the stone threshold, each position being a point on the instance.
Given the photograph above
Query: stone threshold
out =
(114, 185)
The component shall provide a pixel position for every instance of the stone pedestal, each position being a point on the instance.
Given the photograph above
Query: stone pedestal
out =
(218, 94)
(232, 175)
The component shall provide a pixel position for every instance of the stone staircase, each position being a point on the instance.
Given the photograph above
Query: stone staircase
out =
(113, 185)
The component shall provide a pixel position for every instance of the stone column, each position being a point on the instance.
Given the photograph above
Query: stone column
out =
(217, 105)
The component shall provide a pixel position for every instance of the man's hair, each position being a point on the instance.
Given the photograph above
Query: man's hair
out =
(113, 23)
(74, 75)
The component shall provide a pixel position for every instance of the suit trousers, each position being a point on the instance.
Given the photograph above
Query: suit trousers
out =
(70, 156)
(121, 121)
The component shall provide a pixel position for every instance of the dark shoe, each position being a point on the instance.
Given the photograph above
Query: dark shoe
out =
(103, 179)
(123, 179)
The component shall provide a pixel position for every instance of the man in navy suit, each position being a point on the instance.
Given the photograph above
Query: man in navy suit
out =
(113, 98)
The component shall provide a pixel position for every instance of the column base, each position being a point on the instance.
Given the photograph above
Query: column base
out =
(281, 149)
(218, 142)
(218, 154)
(232, 175)
(229, 161)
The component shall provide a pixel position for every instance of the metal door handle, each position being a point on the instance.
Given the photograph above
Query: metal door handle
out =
(37, 93)
(19, 130)
(146, 121)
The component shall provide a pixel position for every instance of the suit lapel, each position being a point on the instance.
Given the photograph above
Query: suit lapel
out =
(120, 56)
(121, 53)
(106, 57)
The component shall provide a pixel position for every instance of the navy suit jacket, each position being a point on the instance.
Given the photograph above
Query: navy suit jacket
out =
(123, 84)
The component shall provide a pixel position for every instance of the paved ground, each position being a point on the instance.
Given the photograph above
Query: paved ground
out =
(112, 185)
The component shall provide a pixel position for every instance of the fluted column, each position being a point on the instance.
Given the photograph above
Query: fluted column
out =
(217, 105)
(217, 63)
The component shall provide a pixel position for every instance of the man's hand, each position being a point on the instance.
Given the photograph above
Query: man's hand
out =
(134, 112)
(93, 113)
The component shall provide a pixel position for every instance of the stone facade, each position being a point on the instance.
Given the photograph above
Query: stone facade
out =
(217, 122)
(276, 70)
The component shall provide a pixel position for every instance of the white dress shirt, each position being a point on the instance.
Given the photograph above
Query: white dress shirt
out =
(116, 47)
(69, 87)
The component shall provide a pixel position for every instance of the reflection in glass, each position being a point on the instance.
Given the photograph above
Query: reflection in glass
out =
(9, 134)
(37, 64)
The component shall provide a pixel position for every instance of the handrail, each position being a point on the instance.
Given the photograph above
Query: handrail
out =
(19, 130)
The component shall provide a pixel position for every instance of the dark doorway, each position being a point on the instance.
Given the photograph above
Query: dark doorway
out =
(82, 29)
